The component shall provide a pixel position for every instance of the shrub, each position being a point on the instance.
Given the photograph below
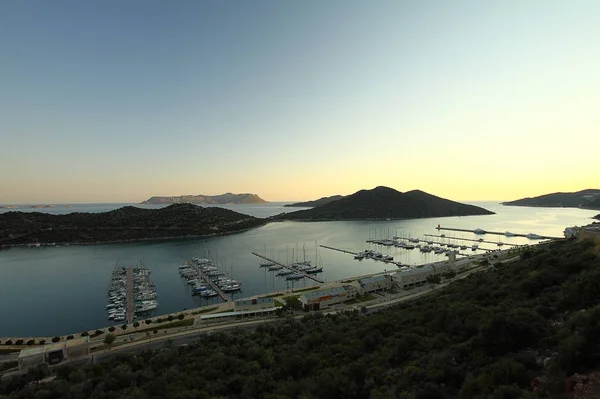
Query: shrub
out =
(109, 338)
(85, 334)
(159, 320)
(99, 332)
(8, 342)
(111, 329)
(181, 317)
(42, 341)
(19, 342)
(55, 339)
(170, 318)
(70, 337)
(148, 322)
(124, 327)
(155, 331)
(136, 324)
(31, 342)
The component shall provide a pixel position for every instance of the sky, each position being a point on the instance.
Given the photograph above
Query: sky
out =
(117, 101)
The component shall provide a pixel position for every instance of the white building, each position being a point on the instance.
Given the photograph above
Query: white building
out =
(53, 353)
(253, 304)
(571, 232)
(367, 285)
(414, 276)
(321, 299)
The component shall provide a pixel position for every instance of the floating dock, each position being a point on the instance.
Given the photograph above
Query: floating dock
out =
(209, 281)
(288, 267)
(472, 240)
(482, 232)
(129, 311)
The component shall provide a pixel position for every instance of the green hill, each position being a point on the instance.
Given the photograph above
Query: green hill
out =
(127, 223)
(589, 199)
(384, 203)
(498, 333)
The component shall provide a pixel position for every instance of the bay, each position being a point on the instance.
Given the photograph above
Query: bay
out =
(61, 290)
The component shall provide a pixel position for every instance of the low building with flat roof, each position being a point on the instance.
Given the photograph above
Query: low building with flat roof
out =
(367, 285)
(253, 304)
(321, 299)
(53, 353)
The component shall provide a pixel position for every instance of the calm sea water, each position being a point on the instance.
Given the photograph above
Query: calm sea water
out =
(61, 290)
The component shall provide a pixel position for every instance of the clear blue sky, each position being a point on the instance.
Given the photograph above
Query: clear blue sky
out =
(121, 100)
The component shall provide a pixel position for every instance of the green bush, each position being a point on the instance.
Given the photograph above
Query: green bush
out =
(136, 324)
(8, 342)
(70, 337)
(98, 332)
(111, 328)
(170, 318)
(85, 334)
(42, 341)
(181, 317)
(31, 342)
(55, 339)
(19, 342)
(148, 321)
(109, 338)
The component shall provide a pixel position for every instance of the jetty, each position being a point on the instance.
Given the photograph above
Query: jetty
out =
(481, 232)
(472, 240)
(129, 310)
(210, 282)
(288, 267)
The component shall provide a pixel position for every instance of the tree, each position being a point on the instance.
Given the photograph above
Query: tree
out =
(148, 321)
(111, 329)
(55, 339)
(84, 334)
(70, 337)
(170, 318)
(136, 324)
(124, 327)
(109, 338)
(42, 341)
(19, 342)
(181, 317)
(31, 342)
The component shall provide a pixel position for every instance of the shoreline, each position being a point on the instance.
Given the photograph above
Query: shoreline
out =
(169, 238)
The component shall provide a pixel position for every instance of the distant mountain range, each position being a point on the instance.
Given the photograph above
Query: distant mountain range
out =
(385, 203)
(588, 199)
(222, 199)
(318, 202)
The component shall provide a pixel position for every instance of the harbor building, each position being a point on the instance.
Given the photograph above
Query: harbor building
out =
(367, 285)
(53, 353)
(253, 304)
(321, 299)
(414, 277)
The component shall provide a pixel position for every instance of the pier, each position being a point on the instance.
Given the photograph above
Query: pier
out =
(212, 284)
(129, 311)
(354, 253)
(288, 267)
(482, 232)
(472, 240)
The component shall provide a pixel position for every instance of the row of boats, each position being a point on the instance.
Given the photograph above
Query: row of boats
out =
(142, 290)
(205, 277)
(296, 271)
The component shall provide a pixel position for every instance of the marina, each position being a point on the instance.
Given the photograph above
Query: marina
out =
(296, 271)
(479, 231)
(73, 279)
(480, 240)
(207, 281)
(131, 293)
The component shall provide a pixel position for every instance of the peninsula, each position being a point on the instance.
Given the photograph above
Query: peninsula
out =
(124, 224)
(587, 199)
(385, 203)
(318, 202)
(222, 199)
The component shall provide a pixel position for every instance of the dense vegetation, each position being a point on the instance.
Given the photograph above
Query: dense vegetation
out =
(317, 202)
(127, 223)
(495, 334)
(579, 199)
(221, 199)
(383, 203)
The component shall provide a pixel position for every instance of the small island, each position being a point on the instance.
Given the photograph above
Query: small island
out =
(222, 199)
(383, 203)
(587, 199)
(124, 224)
(597, 217)
(318, 202)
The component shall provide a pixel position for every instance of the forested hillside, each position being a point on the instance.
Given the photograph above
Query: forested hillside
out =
(503, 333)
